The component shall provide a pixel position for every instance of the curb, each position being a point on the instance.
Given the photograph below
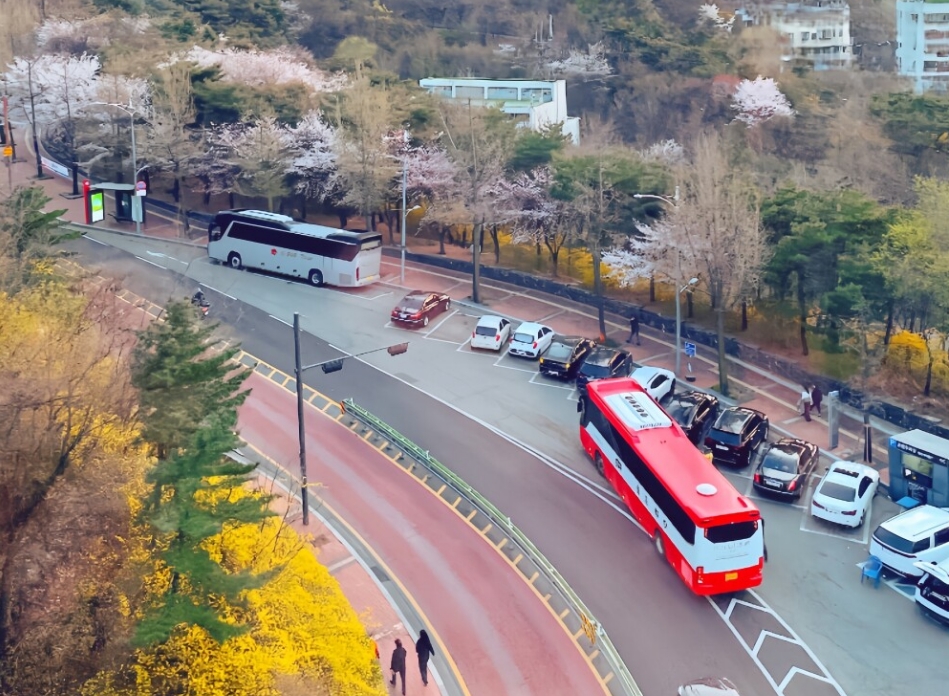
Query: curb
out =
(84, 229)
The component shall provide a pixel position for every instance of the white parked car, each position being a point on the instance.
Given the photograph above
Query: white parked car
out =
(491, 333)
(932, 590)
(843, 496)
(531, 340)
(920, 534)
(658, 382)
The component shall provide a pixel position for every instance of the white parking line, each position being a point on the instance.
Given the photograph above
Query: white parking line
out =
(461, 346)
(550, 316)
(438, 326)
(546, 383)
(282, 321)
(359, 297)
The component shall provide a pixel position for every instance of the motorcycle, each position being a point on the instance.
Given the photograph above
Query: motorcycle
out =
(201, 302)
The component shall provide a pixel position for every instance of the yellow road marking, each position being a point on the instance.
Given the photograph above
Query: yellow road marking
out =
(473, 513)
(502, 543)
(487, 529)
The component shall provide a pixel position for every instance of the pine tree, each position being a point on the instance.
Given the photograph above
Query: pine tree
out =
(181, 386)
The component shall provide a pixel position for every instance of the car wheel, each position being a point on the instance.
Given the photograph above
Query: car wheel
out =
(447, 305)
(425, 320)
(598, 463)
(316, 278)
(860, 521)
(767, 432)
(660, 546)
(234, 261)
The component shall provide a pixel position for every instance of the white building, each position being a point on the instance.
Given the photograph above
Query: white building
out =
(922, 43)
(816, 31)
(534, 103)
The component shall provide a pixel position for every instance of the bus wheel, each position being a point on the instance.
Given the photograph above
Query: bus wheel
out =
(598, 463)
(660, 547)
(316, 278)
(234, 261)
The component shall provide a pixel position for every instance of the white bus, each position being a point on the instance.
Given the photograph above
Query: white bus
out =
(279, 244)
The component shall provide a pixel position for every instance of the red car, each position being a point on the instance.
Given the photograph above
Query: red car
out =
(419, 306)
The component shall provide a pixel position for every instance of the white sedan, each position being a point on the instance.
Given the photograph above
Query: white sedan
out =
(658, 382)
(843, 496)
(531, 340)
(491, 333)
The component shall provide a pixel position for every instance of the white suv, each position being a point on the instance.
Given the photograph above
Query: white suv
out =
(920, 534)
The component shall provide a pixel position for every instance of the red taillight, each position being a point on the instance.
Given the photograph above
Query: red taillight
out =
(357, 273)
(757, 477)
(417, 315)
(849, 513)
(535, 344)
(497, 338)
(700, 575)
(818, 505)
(473, 334)
(793, 485)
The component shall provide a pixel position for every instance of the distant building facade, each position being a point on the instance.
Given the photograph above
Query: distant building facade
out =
(535, 104)
(817, 32)
(922, 43)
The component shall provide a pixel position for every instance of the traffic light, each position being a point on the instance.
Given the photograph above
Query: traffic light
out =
(332, 366)
(398, 348)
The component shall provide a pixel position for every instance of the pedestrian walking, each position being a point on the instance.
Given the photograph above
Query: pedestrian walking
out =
(397, 665)
(423, 646)
(633, 329)
(805, 402)
(816, 397)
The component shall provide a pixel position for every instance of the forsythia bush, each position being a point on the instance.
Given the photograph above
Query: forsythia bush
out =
(907, 353)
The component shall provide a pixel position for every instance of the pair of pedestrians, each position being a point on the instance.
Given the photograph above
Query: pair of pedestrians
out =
(811, 397)
(424, 650)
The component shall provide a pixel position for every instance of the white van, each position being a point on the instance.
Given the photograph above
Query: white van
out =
(920, 534)
(932, 592)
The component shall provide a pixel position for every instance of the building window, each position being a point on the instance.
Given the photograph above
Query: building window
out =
(502, 93)
(538, 95)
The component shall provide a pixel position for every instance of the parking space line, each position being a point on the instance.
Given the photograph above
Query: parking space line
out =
(442, 340)
(574, 395)
(550, 316)
(646, 361)
(546, 383)
(438, 325)
(462, 345)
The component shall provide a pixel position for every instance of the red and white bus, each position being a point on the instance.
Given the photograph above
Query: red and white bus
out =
(710, 534)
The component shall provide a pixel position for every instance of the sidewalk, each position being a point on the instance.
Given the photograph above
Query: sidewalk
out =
(753, 386)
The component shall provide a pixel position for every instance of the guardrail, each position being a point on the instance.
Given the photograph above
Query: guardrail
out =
(593, 629)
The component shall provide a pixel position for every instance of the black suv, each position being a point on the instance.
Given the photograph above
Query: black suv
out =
(565, 356)
(736, 434)
(602, 363)
(694, 411)
(785, 467)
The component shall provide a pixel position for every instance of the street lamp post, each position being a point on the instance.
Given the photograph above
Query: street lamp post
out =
(328, 366)
(131, 115)
(405, 181)
(674, 202)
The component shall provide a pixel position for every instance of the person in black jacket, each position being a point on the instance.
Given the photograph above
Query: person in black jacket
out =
(423, 646)
(397, 665)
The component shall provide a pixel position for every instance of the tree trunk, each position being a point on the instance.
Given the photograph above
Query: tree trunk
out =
(390, 223)
(176, 189)
(744, 315)
(722, 367)
(303, 206)
(442, 231)
(889, 324)
(652, 289)
(802, 312)
(929, 374)
(497, 244)
(230, 200)
(554, 258)
(690, 304)
(343, 218)
(598, 291)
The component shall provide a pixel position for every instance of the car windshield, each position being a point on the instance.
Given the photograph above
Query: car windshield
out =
(780, 460)
(681, 411)
(524, 338)
(731, 422)
(894, 541)
(486, 331)
(559, 351)
(591, 370)
(838, 491)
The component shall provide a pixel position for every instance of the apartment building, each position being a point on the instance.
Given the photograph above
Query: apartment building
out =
(817, 32)
(922, 43)
(535, 104)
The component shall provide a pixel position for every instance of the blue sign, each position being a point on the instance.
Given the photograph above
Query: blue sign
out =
(690, 349)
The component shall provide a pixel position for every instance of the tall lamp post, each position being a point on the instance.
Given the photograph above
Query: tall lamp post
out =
(328, 366)
(674, 202)
(131, 115)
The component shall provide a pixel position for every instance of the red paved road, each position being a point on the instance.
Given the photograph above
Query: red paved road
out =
(501, 635)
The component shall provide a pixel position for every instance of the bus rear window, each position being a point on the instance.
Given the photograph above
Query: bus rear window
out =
(373, 243)
(736, 531)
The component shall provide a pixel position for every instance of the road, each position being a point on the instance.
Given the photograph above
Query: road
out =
(665, 635)
(501, 634)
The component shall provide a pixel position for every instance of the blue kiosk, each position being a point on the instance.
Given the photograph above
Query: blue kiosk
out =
(919, 468)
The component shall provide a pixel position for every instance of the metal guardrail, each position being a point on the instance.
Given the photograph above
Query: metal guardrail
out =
(593, 629)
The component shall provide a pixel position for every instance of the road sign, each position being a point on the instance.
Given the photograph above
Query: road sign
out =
(8, 151)
(140, 188)
(690, 349)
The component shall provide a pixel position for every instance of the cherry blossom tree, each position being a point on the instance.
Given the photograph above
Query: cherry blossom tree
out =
(313, 165)
(258, 156)
(760, 100)
(432, 181)
(50, 90)
(710, 14)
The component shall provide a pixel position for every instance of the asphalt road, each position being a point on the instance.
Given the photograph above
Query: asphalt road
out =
(666, 635)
